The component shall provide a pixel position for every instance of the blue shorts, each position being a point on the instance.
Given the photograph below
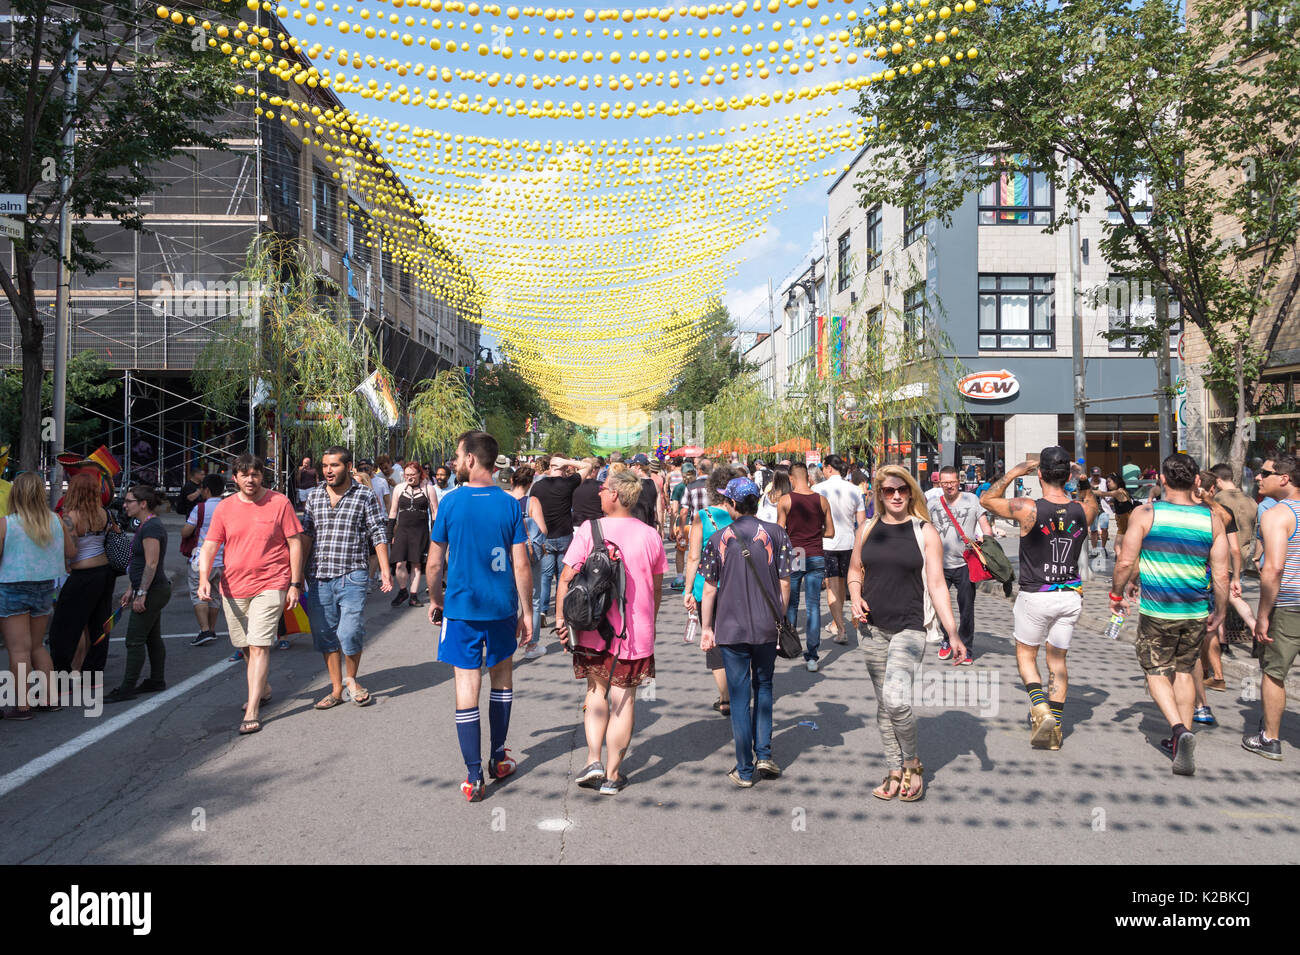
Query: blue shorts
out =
(336, 610)
(35, 597)
(462, 643)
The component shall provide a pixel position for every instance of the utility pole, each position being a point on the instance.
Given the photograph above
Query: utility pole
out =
(1164, 403)
(62, 303)
(1076, 332)
(826, 321)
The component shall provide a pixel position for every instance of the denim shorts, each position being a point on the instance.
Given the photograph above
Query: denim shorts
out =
(35, 597)
(335, 608)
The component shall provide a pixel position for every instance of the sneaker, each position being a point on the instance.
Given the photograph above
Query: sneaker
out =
(592, 775)
(1184, 755)
(1203, 714)
(204, 637)
(534, 651)
(119, 695)
(151, 686)
(967, 660)
(1268, 748)
(1220, 685)
(768, 769)
(503, 767)
(283, 645)
(235, 657)
(473, 791)
(945, 650)
(734, 776)
(1168, 746)
(679, 583)
(400, 596)
(611, 787)
(25, 713)
(812, 666)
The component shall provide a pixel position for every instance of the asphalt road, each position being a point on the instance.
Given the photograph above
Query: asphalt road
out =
(169, 780)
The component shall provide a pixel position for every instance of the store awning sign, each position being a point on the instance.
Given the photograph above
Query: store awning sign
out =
(989, 385)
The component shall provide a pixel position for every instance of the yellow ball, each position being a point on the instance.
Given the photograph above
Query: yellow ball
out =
(944, 13)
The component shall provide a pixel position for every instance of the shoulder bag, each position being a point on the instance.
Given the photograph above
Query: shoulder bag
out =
(117, 546)
(788, 644)
(974, 559)
(189, 543)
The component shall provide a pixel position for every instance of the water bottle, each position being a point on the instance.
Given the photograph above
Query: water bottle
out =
(1116, 621)
(692, 627)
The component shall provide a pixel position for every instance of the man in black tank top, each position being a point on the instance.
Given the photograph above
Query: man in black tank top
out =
(1053, 529)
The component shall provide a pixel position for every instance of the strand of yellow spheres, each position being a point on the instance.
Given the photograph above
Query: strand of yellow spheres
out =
(632, 301)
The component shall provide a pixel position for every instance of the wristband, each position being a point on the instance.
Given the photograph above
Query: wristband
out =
(297, 585)
(1113, 597)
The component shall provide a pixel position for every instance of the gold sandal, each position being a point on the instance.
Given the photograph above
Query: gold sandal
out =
(906, 787)
(891, 778)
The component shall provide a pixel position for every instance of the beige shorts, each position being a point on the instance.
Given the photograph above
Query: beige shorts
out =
(253, 621)
(214, 595)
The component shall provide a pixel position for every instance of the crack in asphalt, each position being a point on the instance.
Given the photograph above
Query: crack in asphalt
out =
(564, 804)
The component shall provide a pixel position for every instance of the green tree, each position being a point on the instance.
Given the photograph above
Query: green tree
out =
(506, 401)
(145, 92)
(440, 411)
(89, 384)
(1149, 108)
(712, 363)
(305, 355)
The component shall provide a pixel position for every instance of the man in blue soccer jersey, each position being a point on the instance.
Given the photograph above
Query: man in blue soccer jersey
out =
(478, 537)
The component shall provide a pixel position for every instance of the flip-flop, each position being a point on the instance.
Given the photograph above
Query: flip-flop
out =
(363, 698)
(329, 702)
(250, 726)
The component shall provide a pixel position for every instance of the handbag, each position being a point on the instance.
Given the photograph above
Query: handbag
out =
(788, 644)
(117, 547)
(974, 559)
(189, 543)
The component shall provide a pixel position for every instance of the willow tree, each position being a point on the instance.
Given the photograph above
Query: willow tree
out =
(295, 355)
(741, 413)
(440, 411)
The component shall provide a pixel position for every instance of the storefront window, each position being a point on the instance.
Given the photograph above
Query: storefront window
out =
(1017, 312)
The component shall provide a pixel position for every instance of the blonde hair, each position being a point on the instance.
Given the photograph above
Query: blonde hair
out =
(27, 501)
(916, 500)
(617, 467)
(625, 485)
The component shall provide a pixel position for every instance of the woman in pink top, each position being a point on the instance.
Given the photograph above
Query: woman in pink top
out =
(614, 672)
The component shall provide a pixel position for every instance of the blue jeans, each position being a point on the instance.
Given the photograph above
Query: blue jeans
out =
(749, 669)
(812, 574)
(336, 608)
(552, 564)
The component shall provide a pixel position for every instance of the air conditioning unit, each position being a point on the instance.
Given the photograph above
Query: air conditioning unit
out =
(325, 259)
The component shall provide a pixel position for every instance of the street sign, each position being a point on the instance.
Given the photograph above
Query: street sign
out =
(11, 227)
(797, 395)
(13, 203)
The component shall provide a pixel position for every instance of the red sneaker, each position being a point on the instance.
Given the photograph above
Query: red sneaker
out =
(945, 650)
(473, 790)
(503, 767)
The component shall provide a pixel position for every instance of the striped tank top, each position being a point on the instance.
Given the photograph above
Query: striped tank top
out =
(1288, 591)
(1175, 555)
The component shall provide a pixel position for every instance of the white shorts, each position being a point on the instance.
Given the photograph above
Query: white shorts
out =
(1049, 617)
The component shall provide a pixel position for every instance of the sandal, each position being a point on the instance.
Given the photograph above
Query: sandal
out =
(415, 601)
(905, 793)
(360, 695)
(329, 702)
(893, 785)
(250, 726)
(722, 706)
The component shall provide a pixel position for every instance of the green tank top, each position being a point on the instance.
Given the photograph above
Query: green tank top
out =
(1174, 560)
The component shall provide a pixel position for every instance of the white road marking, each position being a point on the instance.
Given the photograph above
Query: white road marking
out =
(546, 825)
(28, 772)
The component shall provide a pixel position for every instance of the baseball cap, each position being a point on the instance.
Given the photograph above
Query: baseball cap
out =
(503, 461)
(688, 469)
(640, 459)
(738, 488)
(1054, 456)
(505, 477)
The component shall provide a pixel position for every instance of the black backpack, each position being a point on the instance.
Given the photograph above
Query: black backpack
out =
(593, 591)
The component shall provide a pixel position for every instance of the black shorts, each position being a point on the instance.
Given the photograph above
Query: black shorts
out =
(837, 563)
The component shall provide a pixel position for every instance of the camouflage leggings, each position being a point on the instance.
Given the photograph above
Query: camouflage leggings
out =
(893, 661)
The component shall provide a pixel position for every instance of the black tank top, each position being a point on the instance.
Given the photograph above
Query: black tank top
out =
(1049, 554)
(413, 500)
(894, 578)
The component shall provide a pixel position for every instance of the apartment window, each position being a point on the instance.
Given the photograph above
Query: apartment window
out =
(324, 206)
(842, 249)
(1018, 196)
(914, 320)
(1139, 202)
(874, 318)
(1266, 18)
(1017, 312)
(404, 277)
(875, 237)
(1131, 305)
(282, 174)
(912, 224)
(360, 228)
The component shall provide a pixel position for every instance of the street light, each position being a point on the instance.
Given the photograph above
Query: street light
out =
(487, 361)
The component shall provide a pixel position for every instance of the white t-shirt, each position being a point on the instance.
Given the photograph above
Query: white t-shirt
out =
(767, 511)
(968, 512)
(209, 508)
(845, 501)
(379, 485)
(397, 476)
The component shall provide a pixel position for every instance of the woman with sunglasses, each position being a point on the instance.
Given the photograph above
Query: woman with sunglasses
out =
(897, 588)
(149, 592)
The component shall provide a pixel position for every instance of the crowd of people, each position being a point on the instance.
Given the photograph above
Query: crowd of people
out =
(502, 546)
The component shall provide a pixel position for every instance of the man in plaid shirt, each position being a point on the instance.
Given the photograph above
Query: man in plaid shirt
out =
(696, 497)
(342, 519)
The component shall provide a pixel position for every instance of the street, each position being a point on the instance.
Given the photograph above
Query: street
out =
(176, 784)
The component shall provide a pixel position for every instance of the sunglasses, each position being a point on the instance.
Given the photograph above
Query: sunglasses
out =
(900, 490)
(1265, 472)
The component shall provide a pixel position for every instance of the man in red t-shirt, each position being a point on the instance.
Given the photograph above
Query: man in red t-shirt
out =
(262, 572)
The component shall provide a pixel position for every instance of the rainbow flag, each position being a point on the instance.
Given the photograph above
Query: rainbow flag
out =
(104, 458)
(108, 626)
(1014, 192)
(293, 622)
